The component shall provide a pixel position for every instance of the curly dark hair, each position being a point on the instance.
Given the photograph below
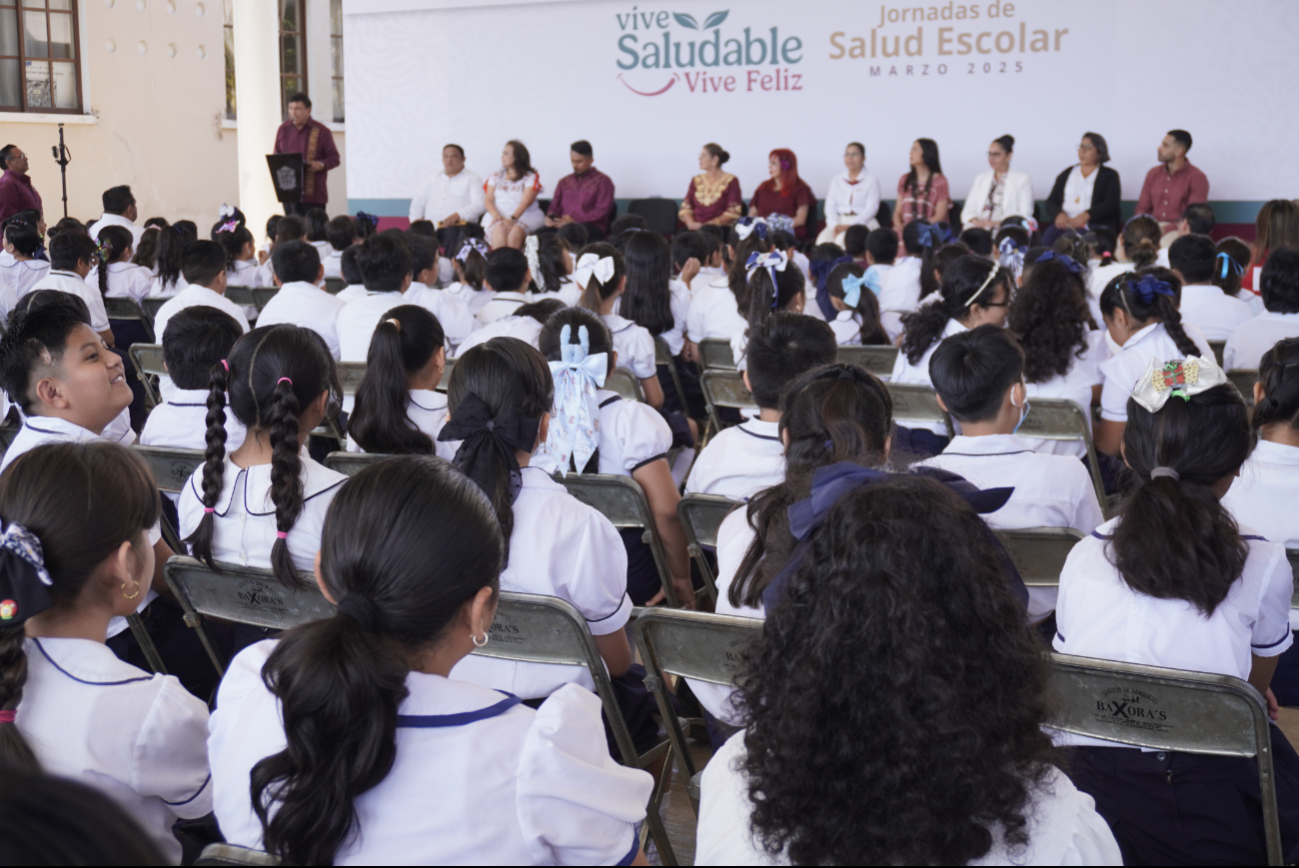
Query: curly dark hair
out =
(896, 695)
(1051, 318)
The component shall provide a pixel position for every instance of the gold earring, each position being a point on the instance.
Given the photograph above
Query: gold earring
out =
(131, 596)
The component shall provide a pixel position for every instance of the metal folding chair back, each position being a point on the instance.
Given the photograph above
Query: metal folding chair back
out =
(1169, 709)
(1293, 556)
(127, 309)
(147, 359)
(1244, 380)
(663, 356)
(1039, 553)
(244, 595)
(233, 854)
(352, 463)
(262, 296)
(153, 304)
(621, 500)
(335, 285)
(350, 375)
(539, 629)
(701, 515)
(171, 467)
(241, 295)
(624, 382)
(1058, 419)
(446, 375)
(716, 353)
(878, 360)
(723, 388)
(918, 404)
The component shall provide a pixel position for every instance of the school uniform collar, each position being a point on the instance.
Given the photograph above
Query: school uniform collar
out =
(1277, 453)
(760, 429)
(508, 296)
(954, 327)
(415, 284)
(87, 662)
(426, 399)
(987, 445)
(58, 427)
(1141, 335)
(1202, 291)
(191, 398)
(119, 267)
(456, 287)
(56, 272)
(617, 323)
(199, 290)
(116, 220)
(537, 477)
(316, 480)
(371, 294)
(1278, 317)
(455, 703)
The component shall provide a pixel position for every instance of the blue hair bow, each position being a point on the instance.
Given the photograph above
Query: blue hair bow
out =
(1228, 262)
(1012, 256)
(927, 233)
(1148, 287)
(774, 261)
(746, 226)
(1074, 266)
(469, 246)
(575, 428)
(369, 218)
(852, 285)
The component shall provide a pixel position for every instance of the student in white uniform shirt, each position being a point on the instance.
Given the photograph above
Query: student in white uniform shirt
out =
(412, 552)
(452, 310)
(974, 292)
(280, 385)
(197, 340)
(500, 396)
(355, 287)
(470, 264)
(1051, 317)
(21, 274)
(742, 460)
(853, 294)
(593, 430)
(1205, 306)
(979, 378)
(1140, 310)
(651, 297)
(397, 410)
(718, 309)
(1135, 248)
(550, 264)
(505, 283)
(775, 285)
(169, 278)
(317, 223)
(341, 233)
(1142, 590)
(115, 275)
(900, 294)
(853, 198)
(72, 255)
(910, 794)
(119, 210)
(72, 708)
(1279, 285)
(288, 228)
(601, 273)
(384, 263)
(241, 256)
(690, 253)
(301, 301)
(525, 324)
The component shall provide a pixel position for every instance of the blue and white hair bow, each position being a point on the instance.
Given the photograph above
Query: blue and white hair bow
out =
(852, 285)
(470, 245)
(1012, 256)
(774, 261)
(928, 234)
(225, 211)
(593, 265)
(1228, 262)
(748, 225)
(1148, 287)
(1074, 266)
(575, 428)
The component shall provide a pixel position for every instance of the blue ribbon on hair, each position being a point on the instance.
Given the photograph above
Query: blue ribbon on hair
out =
(821, 274)
(773, 262)
(832, 482)
(369, 218)
(927, 233)
(1228, 262)
(1148, 287)
(852, 285)
(1074, 266)
(754, 224)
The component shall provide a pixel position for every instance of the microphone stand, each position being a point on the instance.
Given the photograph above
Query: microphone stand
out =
(63, 156)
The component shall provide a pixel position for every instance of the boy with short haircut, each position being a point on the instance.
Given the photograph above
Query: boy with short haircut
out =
(507, 276)
(385, 262)
(351, 274)
(72, 256)
(691, 257)
(301, 301)
(1205, 306)
(452, 310)
(743, 460)
(341, 233)
(1279, 288)
(196, 340)
(979, 378)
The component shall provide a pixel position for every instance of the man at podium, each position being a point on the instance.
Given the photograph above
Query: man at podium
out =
(301, 134)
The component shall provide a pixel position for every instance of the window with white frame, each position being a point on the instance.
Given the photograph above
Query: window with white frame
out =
(40, 70)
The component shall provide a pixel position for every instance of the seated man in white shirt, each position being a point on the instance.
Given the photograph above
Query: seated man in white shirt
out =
(741, 461)
(197, 339)
(341, 233)
(1205, 306)
(119, 210)
(507, 276)
(979, 378)
(1279, 288)
(452, 310)
(384, 261)
(301, 301)
(450, 199)
(72, 255)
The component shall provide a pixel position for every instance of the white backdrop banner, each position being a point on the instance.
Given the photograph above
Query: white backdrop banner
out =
(649, 83)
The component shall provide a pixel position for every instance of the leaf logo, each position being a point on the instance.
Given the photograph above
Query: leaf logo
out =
(686, 20)
(714, 20)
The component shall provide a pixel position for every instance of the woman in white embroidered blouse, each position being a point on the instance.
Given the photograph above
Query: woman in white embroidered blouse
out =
(999, 192)
(853, 198)
(511, 198)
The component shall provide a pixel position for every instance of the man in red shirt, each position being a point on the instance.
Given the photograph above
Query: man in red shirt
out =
(301, 134)
(16, 191)
(1174, 183)
(586, 196)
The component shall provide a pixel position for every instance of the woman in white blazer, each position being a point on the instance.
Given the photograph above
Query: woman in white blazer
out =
(853, 198)
(999, 192)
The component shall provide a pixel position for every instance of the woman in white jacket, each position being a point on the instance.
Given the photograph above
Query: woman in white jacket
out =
(853, 198)
(999, 192)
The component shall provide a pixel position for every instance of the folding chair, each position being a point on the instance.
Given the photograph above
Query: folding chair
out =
(723, 388)
(1218, 347)
(1169, 709)
(350, 375)
(918, 404)
(127, 309)
(1244, 380)
(262, 296)
(153, 304)
(701, 515)
(541, 629)
(1292, 555)
(1058, 419)
(147, 359)
(335, 285)
(697, 645)
(663, 356)
(232, 854)
(624, 382)
(243, 595)
(1039, 553)
(352, 463)
(623, 502)
(878, 360)
(660, 214)
(716, 353)
(241, 295)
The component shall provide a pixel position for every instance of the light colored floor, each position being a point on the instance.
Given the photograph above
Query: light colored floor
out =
(1288, 721)
(678, 814)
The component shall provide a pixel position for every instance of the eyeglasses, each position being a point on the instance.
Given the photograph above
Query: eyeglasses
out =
(1084, 146)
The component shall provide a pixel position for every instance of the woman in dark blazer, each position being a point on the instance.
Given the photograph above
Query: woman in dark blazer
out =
(1106, 191)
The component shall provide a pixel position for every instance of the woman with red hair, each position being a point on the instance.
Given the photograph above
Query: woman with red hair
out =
(784, 193)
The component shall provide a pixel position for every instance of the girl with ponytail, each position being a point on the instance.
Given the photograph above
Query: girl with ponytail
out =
(171, 247)
(263, 504)
(325, 738)
(1174, 581)
(115, 276)
(1141, 316)
(775, 284)
(854, 294)
(241, 251)
(717, 310)
(601, 274)
(73, 556)
(551, 263)
(398, 409)
(470, 263)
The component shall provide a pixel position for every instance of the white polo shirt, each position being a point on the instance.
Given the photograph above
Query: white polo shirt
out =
(1257, 335)
(525, 328)
(740, 461)
(125, 280)
(245, 273)
(192, 295)
(1212, 311)
(918, 374)
(513, 786)
(475, 298)
(428, 410)
(71, 283)
(137, 738)
(900, 294)
(163, 289)
(445, 195)
(358, 319)
(632, 435)
(713, 312)
(1050, 491)
(333, 263)
(1074, 385)
(634, 346)
(306, 305)
(1263, 496)
(1120, 373)
(181, 423)
(20, 276)
(500, 304)
(562, 548)
(457, 320)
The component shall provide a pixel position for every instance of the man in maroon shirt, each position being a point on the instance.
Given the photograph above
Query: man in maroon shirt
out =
(586, 196)
(300, 134)
(16, 191)
(1174, 183)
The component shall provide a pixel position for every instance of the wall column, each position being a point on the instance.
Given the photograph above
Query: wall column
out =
(257, 94)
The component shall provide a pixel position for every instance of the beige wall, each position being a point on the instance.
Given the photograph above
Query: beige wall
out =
(158, 119)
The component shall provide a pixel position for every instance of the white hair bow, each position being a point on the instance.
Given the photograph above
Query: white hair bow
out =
(590, 265)
(748, 225)
(575, 427)
(225, 211)
(534, 263)
(1181, 377)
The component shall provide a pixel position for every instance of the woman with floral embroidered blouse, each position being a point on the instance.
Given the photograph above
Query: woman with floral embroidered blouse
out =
(714, 196)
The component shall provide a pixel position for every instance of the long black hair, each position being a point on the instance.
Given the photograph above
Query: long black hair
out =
(272, 374)
(1278, 371)
(765, 297)
(404, 342)
(233, 241)
(868, 306)
(737, 277)
(1051, 318)
(960, 292)
(1141, 237)
(113, 242)
(171, 254)
(832, 413)
(146, 252)
(1119, 293)
(929, 156)
(647, 299)
(407, 543)
(550, 264)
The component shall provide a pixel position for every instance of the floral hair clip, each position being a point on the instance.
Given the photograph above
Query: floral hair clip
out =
(1183, 378)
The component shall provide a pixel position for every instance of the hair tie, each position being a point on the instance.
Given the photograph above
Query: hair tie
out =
(225, 365)
(746, 226)
(360, 609)
(231, 226)
(774, 261)
(1165, 471)
(284, 380)
(208, 509)
(1148, 287)
(1068, 261)
(1229, 262)
(395, 322)
(987, 280)
(530, 248)
(851, 286)
(575, 427)
(281, 534)
(7, 716)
